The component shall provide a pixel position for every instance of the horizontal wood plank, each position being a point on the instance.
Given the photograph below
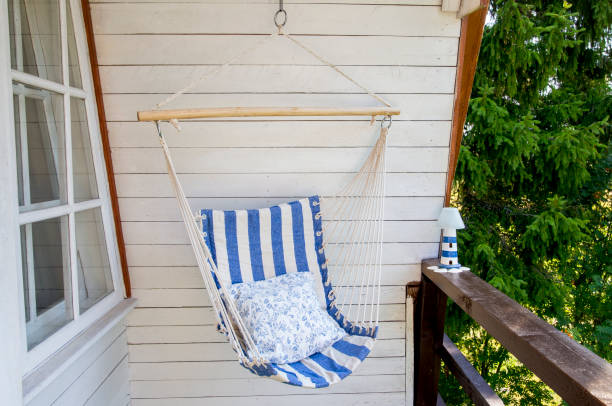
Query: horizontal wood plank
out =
(276, 79)
(275, 160)
(429, 107)
(214, 370)
(185, 316)
(319, 19)
(258, 386)
(182, 255)
(363, 399)
(137, 233)
(199, 297)
(165, 209)
(118, 50)
(224, 351)
(279, 134)
(271, 185)
(160, 277)
(209, 334)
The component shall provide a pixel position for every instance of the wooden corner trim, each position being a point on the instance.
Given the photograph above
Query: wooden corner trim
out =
(472, 27)
(95, 74)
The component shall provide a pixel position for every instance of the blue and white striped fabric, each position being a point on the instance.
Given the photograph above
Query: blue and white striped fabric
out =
(253, 245)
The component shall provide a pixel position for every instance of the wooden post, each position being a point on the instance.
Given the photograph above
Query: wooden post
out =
(412, 294)
(431, 312)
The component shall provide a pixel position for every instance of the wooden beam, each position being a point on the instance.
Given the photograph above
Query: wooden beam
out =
(472, 27)
(412, 295)
(470, 6)
(110, 174)
(473, 384)
(579, 376)
(164, 115)
(429, 334)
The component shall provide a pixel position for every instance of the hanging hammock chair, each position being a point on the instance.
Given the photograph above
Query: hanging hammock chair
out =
(347, 232)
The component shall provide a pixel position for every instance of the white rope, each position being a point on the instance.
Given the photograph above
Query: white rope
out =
(224, 306)
(334, 67)
(354, 223)
(215, 70)
(359, 223)
(356, 218)
(246, 51)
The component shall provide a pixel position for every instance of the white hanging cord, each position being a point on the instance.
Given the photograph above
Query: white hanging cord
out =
(216, 70)
(334, 67)
(362, 201)
(223, 306)
(371, 194)
(280, 19)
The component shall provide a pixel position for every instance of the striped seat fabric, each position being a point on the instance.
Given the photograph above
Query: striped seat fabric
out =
(253, 245)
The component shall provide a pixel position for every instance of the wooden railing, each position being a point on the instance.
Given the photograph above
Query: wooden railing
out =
(576, 374)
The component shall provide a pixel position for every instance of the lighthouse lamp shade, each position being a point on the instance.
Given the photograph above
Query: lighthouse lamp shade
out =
(450, 218)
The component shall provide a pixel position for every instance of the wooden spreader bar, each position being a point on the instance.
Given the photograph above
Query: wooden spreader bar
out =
(216, 112)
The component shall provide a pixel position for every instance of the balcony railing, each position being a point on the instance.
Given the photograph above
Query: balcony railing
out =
(576, 374)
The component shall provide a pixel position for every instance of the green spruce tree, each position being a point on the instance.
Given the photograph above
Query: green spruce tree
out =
(533, 182)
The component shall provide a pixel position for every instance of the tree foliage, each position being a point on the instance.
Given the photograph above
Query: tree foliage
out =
(533, 182)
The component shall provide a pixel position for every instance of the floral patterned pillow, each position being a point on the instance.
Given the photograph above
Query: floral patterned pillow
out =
(284, 317)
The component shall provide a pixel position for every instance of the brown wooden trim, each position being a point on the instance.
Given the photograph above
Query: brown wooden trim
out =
(472, 27)
(579, 376)
(472, 383)
(95, 74)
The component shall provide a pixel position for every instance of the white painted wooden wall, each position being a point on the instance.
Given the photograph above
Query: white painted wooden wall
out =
(99, 377)
(149, 48)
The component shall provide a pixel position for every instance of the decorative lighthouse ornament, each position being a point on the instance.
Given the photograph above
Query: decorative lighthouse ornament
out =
(450, 221)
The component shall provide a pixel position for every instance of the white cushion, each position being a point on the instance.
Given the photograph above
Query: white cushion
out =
(284, 318)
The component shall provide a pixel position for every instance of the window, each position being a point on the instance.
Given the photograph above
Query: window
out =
(69, 265)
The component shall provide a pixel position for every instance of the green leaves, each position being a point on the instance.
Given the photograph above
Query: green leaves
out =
(570, 152)
(534, 181)
(551, 232)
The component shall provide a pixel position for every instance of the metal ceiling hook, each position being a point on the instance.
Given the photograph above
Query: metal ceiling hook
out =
(282, 14)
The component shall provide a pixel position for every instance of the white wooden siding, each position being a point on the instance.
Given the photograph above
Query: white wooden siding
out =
(404, 50)
(98, 377)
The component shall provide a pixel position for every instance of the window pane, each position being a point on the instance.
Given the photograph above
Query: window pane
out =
(46, 272)
(39, 133)
(85, 186)
(74, 70)
(93, 267)
(35, 37)
(18, 150)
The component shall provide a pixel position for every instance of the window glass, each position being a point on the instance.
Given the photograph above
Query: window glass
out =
(47, 279)
(74, 70)
(93, 267)
(40, 152)
(67, 264)
(36, 40)
(85, 186)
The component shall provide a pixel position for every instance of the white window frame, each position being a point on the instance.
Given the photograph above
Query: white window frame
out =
(51, 344)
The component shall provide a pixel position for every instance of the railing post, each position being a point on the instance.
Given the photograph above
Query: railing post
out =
(429, 327)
